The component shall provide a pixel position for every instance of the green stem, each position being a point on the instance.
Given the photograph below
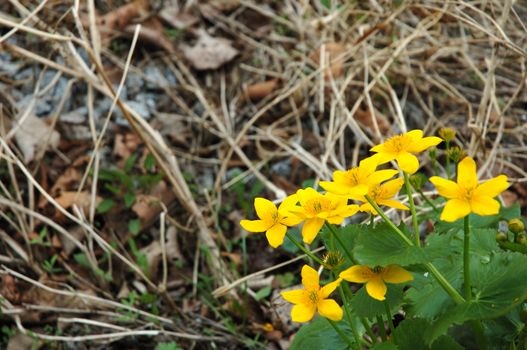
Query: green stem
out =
(335, 234)
(303, 249)
(466, 260)
(390, 320)
(427, 200)
(412, 209)
(382, 329)
(447, 160)
(341, 334)
(454, 294)
(477, 327)
(345, 303)
(363, 320)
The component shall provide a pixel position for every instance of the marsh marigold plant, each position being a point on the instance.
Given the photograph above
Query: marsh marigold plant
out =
(429, 271)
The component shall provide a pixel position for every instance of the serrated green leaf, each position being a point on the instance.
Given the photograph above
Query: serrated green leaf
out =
(409, 334)
(446, 342)
(385, 346)
(320, 335)
(382, 246)
(365, 306)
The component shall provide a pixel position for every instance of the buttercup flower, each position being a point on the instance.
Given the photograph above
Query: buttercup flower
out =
(383, 195)
(402, 149)
(312, 298)
(357, 180)
(467, 195)
(273, 221)
(315, 208)
(376, 278)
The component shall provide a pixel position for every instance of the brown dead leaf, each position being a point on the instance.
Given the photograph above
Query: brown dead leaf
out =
(153, 253)
(121, 17)
(153, 32)
(125, 145)
(332, 57)
(65, 181)
(148, 206)
(225, 5)
(82, 200)
(261, 90)
(9, 289)
(364, 118)
(34, 136)
(177, 19)
(209, 52)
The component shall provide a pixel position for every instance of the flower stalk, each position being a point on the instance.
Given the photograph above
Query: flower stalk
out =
(303, 249)
(412, 209)
(466, 259)
(342, 335)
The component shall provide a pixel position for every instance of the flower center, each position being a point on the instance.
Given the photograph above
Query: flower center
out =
(375, 192)
(315, 206)
(378, 269)
(467, 192)
(398, 143)
(353, 177)
(313, 296)
(275, 216)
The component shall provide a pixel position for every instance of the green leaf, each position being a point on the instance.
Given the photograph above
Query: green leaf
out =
(134, 226)
(499, 284)
(446, 342)
(348, 235)
(167, 346)
(82, 260)
(130, 162)
(149, 162)
(320, 335)
(385, 346)
(289, 246)
(410, 334)
(365, 306)
(382, 246)
(105, 206)
(263, 293)
(129, 199)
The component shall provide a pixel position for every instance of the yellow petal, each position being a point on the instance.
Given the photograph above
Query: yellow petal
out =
(368, 165)
(376, 288)
(297, 296)
(265, 209)
(311, 228)
(423, 144)
(334, 187)
(275, 235)
(407, 162)
(396, 274)
(392, 203)
(329, 308)
(415, 135)
(380, 176)
(466, 173)
(291, 220)
(366, 207)
(303, 312)
(384, 156)
(329, 288)
(310, 279)
(391, 188)
(492, 187)
(446, 188)
(255, 225)
(304, 195)
(344, 212)
(484, 205)
(455, 209)
(288, 202)
(357, 274)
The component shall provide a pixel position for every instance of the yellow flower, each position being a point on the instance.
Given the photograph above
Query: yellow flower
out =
(357, 180)
(467, 195)
(312, 298)
(376, 278)
(272, 221)
(383, 195)
(316, 208)
(402, 147)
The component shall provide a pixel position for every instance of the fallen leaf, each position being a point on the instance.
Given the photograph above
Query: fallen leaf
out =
(125, 145)
(172, 245)
(261, 90)
(153, 32)
(225, 5)
(80, 199)
(153, 253)
(148, 206)
(209, 52)
(332, 56)
(177, 19)
(119, 18)
(34, 136)
(21, 341)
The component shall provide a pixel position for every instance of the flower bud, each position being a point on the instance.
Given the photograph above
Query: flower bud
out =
(521, 238)
(516, 225)
(447, 134)
(333, 260)
(455, 153)
(501, 237)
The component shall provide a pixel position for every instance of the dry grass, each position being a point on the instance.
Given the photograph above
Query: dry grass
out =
(417, 65)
